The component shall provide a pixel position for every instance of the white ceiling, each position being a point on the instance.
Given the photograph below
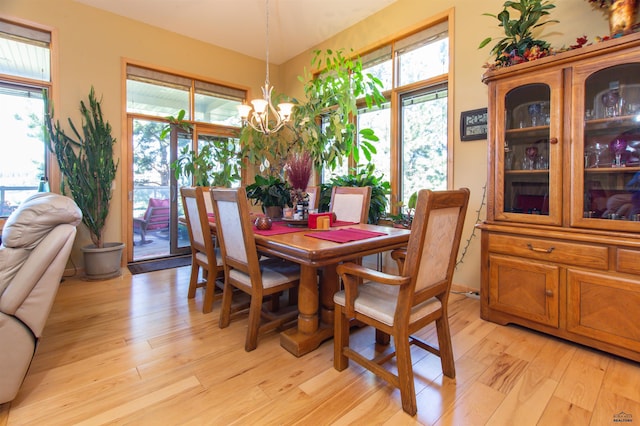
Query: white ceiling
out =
(240, 25)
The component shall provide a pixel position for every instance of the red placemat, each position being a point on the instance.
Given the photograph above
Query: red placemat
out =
(277, 228)
(345, 235)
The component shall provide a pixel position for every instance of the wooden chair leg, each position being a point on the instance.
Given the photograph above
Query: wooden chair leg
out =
(405, 374)
(209, 290)
(193, 280)
(446, 350)
(382, 338)
(255, 310)
(225, 309)
(340, 339)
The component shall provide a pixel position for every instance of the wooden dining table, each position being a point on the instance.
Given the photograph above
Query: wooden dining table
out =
(319, 281)
(318, 260)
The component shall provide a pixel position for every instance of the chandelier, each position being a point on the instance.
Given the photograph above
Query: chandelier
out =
(264, 117)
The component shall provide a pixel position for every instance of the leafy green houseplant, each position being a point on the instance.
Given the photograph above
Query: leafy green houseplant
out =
(215, 164)
(270, 191)
(321, 122)
(365, 176)
(86, 162)
(518, 44)
(405, 219)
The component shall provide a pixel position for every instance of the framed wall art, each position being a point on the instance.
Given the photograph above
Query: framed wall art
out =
(473, 124)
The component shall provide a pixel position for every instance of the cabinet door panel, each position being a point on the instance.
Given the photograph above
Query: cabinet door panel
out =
(605, 308)
(528, 149)
(524, 288)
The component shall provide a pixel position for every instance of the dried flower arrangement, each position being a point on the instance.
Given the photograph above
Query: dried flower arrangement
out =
(299, 167)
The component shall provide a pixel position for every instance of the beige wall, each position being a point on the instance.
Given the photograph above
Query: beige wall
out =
(92, 45)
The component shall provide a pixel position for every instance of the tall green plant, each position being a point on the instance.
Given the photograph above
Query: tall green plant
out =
(331, 94)
(86, 162)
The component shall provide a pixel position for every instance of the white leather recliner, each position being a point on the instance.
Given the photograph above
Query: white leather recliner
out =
(36, 244)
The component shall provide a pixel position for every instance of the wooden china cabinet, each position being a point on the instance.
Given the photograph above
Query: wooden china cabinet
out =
(561, 243)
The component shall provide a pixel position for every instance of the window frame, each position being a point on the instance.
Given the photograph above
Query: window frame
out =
(396, 92)
(25, 27)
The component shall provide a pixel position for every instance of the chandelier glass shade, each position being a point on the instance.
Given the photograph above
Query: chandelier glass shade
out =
(262, 115)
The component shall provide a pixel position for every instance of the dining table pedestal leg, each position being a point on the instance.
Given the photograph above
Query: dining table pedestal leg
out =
(310, 331)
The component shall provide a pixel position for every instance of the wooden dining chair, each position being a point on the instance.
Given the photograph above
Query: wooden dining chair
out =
(244, 271)
(204, 256)
(400, 305)
(351, 203)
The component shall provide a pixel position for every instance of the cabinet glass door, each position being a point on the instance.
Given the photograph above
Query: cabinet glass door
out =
(610, 149)
(530, 166)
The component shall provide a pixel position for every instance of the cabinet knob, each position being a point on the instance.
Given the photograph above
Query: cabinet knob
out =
(549, 293)
(553, 141)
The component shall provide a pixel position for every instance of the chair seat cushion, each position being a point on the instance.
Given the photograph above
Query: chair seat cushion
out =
(378, 301)
(274, 273)
(202, 258)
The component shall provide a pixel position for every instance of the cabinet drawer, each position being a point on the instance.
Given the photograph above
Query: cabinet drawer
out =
(585, 255)
(628, 261)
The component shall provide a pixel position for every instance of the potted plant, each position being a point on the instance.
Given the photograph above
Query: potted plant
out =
(518, 45)
(405, 219)
(86, 163)
(365, 176)
(272, 192)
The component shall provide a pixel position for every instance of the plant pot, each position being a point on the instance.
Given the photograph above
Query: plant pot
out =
(102, 263)
(274, 212)
(622, 16)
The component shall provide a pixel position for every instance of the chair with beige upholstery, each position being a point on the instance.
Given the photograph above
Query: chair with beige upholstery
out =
(400, 305)
(351, 203)
(243, 270)
(36, 244)
(203, 252)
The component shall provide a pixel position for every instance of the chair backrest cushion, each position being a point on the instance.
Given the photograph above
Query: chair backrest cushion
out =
(229, 222)
(348, 207)
(193, 216)
(439, 240)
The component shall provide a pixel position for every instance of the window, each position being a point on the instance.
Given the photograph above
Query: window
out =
(25, 71)
(412, 125)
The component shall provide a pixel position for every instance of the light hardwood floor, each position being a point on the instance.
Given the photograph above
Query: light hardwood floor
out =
(134, 350)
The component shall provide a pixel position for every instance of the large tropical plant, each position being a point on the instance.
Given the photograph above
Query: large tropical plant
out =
(330, 97)
(518, 44)
(86, 162)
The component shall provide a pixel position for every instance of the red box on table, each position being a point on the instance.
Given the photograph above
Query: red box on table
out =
(313, 219)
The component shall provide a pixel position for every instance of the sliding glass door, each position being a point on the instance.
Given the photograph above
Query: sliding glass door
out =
(154, 195)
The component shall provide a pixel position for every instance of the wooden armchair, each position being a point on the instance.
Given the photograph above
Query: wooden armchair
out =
(156, 217)
(400, 305)
(261, 280)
